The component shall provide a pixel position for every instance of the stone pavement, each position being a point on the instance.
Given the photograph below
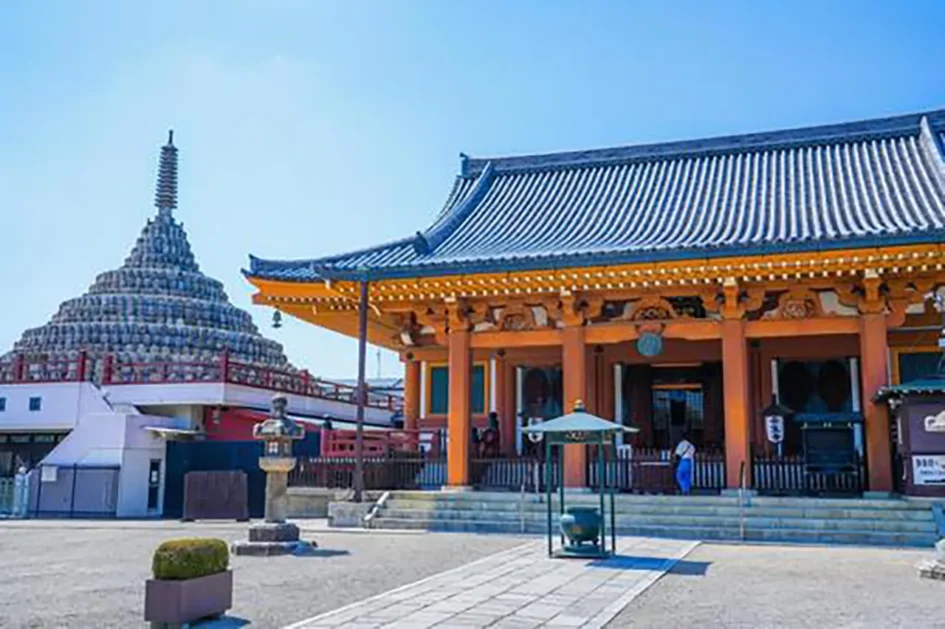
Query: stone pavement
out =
(519, 588)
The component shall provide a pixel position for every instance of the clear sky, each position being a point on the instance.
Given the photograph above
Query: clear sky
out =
(307, 128)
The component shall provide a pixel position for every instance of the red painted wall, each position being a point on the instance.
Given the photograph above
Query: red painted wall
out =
(235, 424)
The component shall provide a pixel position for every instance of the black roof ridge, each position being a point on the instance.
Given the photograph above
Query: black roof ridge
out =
(813, 135)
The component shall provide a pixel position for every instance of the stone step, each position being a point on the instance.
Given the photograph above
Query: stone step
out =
(754, 509)
(539, 528)
(813, 524)
(871, 538)
(634, 499)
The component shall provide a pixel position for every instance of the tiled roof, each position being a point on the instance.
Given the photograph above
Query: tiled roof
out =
(927, 386)
(855, 184)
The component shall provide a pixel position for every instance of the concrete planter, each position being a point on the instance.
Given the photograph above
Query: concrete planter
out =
(177, 602)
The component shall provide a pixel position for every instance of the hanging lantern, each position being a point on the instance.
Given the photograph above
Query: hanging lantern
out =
(277, 319)
(774, 417)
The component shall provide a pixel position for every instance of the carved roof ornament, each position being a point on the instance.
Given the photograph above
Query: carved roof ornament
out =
(457, 316)
(515, 316)
(571, 311)
(577, 309)
(868, 296)
(434, 317)
(648, 308)
(900, 294)
(799, 303)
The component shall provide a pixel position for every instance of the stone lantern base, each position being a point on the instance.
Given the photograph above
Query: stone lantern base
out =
(273, 538)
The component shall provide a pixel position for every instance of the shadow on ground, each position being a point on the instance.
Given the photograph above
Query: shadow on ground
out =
(324, 552)
(629, 562)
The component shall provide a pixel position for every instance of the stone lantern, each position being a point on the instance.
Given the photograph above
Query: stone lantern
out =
(275, 536)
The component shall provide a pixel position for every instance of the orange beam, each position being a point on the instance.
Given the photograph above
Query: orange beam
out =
(689, 330)
(504, 340)
(773, 328)
(274, 288)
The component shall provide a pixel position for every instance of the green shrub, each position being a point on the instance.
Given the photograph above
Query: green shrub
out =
(189, 558)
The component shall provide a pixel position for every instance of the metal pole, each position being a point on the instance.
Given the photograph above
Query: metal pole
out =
(601, 484)
(362, 394)
(549, 474)
(560, 485)
(613, 517)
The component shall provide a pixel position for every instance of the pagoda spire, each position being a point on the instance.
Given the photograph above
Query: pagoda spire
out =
(165, 195)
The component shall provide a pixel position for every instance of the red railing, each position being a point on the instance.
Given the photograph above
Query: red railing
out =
(108, 370)
(337, 443)
(402, 472)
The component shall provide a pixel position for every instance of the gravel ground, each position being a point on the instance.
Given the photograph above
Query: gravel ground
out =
(92, 574)
(790, 586)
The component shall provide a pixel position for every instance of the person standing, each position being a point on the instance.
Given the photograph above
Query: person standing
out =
(684, 453)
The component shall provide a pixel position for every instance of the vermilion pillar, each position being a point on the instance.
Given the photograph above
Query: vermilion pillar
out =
(574, 357)
(459, 419)
(411, 394)
(874, 355)
(737, 401)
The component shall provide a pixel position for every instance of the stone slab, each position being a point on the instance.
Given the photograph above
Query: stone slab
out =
(274, 532)
(272, 549)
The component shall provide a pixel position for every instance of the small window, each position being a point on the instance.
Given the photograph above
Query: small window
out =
(3, 404)
(36, 403)
(440, 386)
(439, 390)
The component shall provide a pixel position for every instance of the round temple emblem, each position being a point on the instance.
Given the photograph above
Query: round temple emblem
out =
(650, 344)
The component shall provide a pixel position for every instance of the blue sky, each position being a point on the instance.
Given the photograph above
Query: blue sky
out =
(308, 128)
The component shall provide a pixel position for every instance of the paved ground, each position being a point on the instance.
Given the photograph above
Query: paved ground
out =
(518, 589)
(80, 574)
(791, 586)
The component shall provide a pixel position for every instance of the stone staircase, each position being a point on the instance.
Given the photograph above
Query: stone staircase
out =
(880, 522)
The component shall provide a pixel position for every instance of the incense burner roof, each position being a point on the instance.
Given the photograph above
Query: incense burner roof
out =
(859, 184)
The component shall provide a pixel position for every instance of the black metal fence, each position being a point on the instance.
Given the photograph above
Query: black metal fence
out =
(513, 474)
(793, 475)
(651, 471)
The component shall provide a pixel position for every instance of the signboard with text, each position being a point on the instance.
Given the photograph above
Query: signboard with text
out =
(928, 469)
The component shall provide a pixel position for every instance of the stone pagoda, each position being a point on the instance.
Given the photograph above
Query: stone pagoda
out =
(157, 307)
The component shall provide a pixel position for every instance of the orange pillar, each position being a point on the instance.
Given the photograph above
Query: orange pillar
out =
(874, 356)
(574, 358)
(411, 394)
(459, 418)
(738, 409)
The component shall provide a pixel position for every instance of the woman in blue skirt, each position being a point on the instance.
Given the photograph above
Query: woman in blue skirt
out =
(684, 454)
